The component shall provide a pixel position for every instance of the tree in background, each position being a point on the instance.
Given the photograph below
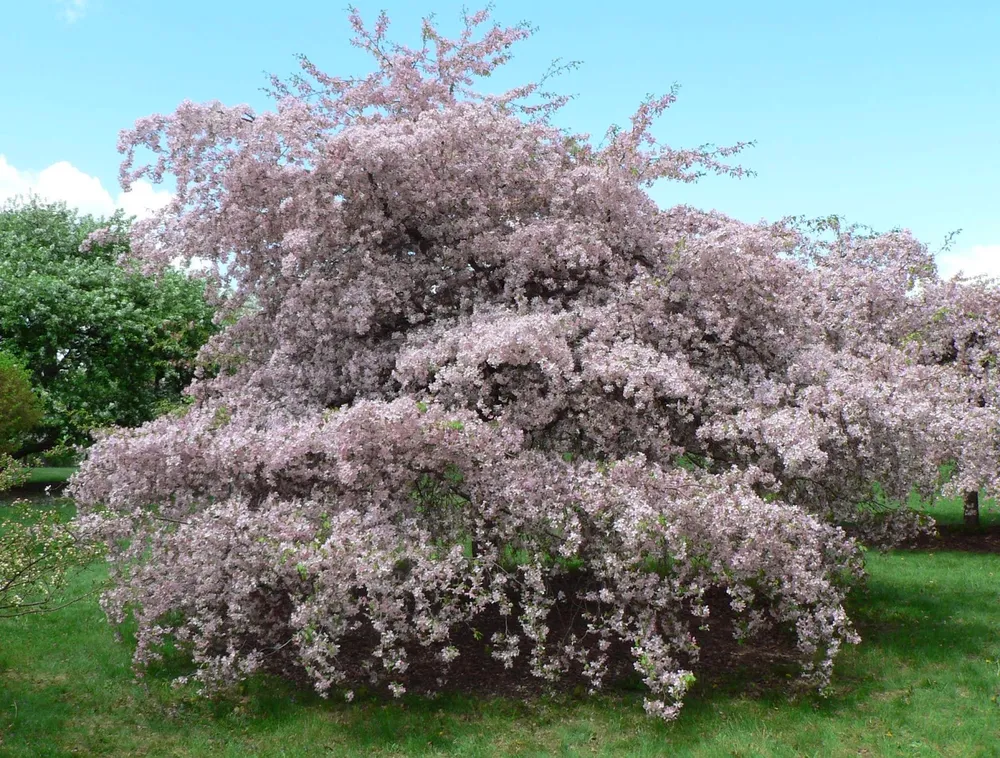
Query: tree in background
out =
(20, 409)
(105, 345)
(869, 289)
(486, 377)
(957, 323)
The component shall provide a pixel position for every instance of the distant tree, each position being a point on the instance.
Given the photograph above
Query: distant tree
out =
(20, 409)
(956, 323)
(104, 344)
(885, 286)
(19, 412)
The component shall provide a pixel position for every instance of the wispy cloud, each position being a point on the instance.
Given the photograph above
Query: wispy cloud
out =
(972, 261)
(72, 11)
(64, 182)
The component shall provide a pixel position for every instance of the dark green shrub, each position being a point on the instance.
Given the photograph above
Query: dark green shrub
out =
(20, 409)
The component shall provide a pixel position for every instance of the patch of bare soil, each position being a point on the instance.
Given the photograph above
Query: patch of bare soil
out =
(984, 539)
(764, 661)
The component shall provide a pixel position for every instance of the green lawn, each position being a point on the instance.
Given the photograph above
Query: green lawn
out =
(50, 475)
(925, 682)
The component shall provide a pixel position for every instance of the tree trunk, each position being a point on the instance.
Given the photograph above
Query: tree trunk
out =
(972, 508)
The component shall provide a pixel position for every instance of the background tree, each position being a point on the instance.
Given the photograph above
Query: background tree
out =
(104, 345)
(894, 293)
(957, 323)
(20, 409)
(485, 380)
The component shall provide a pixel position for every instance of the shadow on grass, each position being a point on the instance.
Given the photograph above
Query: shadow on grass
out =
(924, 627)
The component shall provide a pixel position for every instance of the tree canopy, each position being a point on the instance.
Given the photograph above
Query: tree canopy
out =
(105, 345)
(485, 376)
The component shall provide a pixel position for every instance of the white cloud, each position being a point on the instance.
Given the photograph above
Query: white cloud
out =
(972, 261)
(143, 199)
(72, 11)
(64, 181)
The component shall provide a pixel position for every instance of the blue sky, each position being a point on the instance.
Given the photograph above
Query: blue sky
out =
(887, 113)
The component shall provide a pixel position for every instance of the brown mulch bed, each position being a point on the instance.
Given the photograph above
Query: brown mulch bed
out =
(765, 661)
(760, 664)
(984, 539)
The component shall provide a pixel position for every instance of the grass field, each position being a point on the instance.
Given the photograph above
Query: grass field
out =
(925, 682)
(51, 475)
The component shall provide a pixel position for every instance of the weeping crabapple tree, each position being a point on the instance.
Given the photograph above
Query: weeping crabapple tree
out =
(475, 378)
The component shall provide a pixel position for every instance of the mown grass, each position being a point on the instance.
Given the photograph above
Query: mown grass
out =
(925, 682)
(51, 474)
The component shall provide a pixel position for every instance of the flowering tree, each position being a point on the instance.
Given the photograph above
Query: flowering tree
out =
(477, 371)
(957, 323)
(39, 550)
(870, 288)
